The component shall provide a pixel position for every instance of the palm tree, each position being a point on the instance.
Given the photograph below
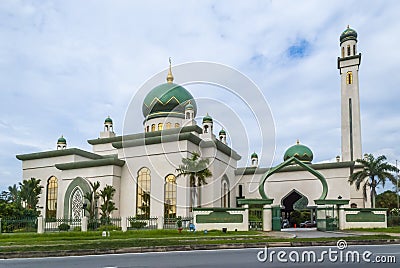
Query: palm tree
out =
(196, 169)
(30, 191)
(14, 195)
(108, 205)
(375, 172)
(92, 197)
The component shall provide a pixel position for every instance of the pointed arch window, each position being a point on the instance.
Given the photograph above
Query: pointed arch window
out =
(143, 194)
(342, 52)
(170, 197)
(77, 204)
(354, 49)
(177, 125)
(348, 50)
(153, 127)
(52, 193)
(168, 125)
(349, 78)
(160, 126)
(225, 195)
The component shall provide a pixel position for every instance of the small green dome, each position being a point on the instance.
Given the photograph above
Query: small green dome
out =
(348, 34)
(254, 155)
(299, 151)
(222, 132)
(167, 99)
(108, 120)
(207, 119)
(189, 106)
(61, 140)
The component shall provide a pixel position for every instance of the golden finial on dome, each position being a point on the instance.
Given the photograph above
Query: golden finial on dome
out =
(348, 26)
(298, 142)
(170, 77)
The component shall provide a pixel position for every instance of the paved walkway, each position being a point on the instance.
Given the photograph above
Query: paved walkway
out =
(313, 233)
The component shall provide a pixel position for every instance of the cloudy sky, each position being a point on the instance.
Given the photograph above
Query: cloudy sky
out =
(67, 65)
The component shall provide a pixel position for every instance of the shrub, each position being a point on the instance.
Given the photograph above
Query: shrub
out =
(63, 227)
(109, 227)
(138, 224)
(77, 229)
(93, 225)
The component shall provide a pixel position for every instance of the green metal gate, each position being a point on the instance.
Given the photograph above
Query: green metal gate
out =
(255, 217)
(276, 218)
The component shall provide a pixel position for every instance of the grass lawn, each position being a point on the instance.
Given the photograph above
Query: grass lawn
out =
(395, 229)
(147, 238)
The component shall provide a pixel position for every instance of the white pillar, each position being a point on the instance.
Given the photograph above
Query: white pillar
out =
(246, 217)
(267, 218)
(84, 225)
(41, 224)
(124, 224)
(341, 218)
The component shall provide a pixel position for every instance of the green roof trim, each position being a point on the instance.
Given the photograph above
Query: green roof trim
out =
(218, 209)
(332, 202)
(258, 170)
(366, 209)
(91, 163)
(176, 136)
(142, 135)
(304, 166)
(255, 201)
(57, 153)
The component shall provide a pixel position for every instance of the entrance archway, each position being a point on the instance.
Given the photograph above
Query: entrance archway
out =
(295, 209)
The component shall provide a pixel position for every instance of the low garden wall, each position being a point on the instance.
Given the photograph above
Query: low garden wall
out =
(229, 219)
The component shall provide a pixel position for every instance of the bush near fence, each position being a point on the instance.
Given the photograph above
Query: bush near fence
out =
(135, 223)
(393, 221)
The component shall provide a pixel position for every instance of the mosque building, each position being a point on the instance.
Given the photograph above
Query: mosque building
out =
(142, 166)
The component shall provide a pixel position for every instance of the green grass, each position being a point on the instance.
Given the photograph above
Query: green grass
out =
(395, 229)
(146, 238)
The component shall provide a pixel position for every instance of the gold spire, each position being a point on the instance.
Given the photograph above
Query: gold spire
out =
(348, 26)
(170, 77)
(298, 142)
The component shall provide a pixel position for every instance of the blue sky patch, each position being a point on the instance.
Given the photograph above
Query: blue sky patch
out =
(300, 49)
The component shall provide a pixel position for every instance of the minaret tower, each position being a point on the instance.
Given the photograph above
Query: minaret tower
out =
(348, 65)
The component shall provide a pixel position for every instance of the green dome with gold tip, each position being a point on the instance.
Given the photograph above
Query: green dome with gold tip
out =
(207, 119)
(167, 99)
(254, 155)
(108, 120)
(299, 151)
(61, 140)
(348, 34)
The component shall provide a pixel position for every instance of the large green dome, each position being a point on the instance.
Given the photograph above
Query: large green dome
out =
(167, 99)
(299, 151)
(348, 34)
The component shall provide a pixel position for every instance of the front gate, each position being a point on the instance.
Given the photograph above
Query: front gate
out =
(276, 218)
(327, 219)
(255, 217)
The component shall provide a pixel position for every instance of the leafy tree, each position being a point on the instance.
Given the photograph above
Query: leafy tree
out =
(387, 199)
(14, 194)
(196, 169)
(29, 192)
(108, 205)
(375, 172)
(92, 197)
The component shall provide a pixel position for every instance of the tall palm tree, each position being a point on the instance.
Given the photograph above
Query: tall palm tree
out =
(375, 172)
(196, 169)
(14, 195)
(30, 191)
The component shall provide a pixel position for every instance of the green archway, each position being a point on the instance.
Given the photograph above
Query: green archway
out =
(288, 162)
(77, 182)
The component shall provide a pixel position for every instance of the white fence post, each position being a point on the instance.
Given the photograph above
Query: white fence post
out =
(84, 224)
(160, 222)
(124, 224)
(41, 225)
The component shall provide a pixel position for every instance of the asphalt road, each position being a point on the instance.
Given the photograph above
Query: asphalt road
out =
(226, 258)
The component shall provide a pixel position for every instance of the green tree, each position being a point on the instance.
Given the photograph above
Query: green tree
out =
(196, 169)
(108, 205)
(92, 198)
(375, 172)
(14, 194)
(387, 199)
(29, 192)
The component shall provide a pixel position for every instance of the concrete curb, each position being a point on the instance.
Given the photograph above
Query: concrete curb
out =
(63, 253)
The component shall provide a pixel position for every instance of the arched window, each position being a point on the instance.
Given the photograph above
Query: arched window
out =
(153, 127)
(177, 125)
(225, 194)
(354, 49)
(187, 115)
(77, 204)
(348, 50)
(240, 190)
(349, 78)
(160, 126)
(205, 129)
(51, 203)
(143, 194)
(168, 125)
(342, 52)
(170, 197)
(147, 129)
